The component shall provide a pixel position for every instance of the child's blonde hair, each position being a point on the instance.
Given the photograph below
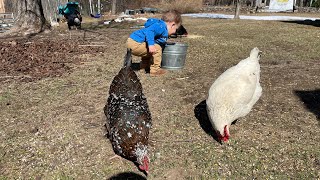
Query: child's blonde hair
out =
(172, 16)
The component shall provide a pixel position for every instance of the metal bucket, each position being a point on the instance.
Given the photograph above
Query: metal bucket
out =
(174, 56)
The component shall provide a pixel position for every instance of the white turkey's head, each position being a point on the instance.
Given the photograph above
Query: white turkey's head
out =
(223, 133)
(220, 127)
(255, 53)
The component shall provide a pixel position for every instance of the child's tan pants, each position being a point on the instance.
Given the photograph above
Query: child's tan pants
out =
(141, 50)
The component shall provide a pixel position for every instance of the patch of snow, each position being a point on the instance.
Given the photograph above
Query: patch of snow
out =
(130, 19)
(142, 18)
(118, 20)
(106, 22)
(267, 18)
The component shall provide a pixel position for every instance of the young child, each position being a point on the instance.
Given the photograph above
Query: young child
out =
(149, 41)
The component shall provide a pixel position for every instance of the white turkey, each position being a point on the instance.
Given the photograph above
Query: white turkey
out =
(128, 117)
(234, 93)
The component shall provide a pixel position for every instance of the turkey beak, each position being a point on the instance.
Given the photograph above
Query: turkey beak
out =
(219, 137)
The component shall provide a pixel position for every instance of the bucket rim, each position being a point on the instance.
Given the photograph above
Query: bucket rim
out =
(176, 44)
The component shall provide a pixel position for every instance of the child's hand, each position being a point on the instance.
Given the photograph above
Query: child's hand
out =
(152, 49)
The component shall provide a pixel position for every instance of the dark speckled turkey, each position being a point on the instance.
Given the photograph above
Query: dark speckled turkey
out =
(128, 117)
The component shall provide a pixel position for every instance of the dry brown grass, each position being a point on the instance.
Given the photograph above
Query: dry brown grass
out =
(53, 128)
(184, 6)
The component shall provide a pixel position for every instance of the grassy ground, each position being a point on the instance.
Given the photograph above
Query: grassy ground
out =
(53, 128)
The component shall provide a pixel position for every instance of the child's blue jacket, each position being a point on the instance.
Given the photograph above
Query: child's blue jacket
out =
(154, 31)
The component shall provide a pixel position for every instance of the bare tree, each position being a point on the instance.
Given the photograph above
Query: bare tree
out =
(237, 12)
(29, 19)
(301, 3)
(114, 7)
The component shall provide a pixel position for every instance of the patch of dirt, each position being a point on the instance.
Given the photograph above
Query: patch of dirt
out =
(34, 59)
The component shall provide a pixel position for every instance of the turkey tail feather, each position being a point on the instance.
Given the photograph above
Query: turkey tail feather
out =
(127, 59)
(126, 82)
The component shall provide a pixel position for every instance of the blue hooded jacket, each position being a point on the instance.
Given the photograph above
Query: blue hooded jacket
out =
(154, 31)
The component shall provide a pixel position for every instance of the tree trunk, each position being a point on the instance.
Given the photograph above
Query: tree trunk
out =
(90, 3)
(237, 13)
(2, 7)
(29, 19)
(301, 3)
(114, 7)
(99, 6)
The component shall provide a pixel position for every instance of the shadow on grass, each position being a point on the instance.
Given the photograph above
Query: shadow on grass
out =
(311, 100)
(127, 175)
(200, 113)
(315, 23)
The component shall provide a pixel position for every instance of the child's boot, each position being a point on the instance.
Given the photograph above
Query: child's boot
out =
(158, 72)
